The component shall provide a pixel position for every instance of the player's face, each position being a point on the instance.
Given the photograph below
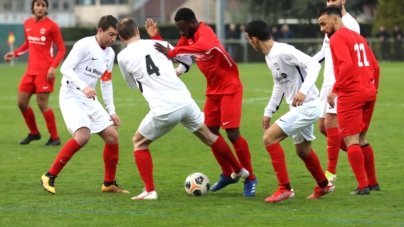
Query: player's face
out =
(337, 3)
(40, 8)
(253, 42)
(187, 29)
(327, 25)
(108, 37)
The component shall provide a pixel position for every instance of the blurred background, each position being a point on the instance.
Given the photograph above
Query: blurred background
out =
(291, 21)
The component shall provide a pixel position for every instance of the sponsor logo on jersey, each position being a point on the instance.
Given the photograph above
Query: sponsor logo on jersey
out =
(37, 40)
(284, 75)
(43, 38)
(93, 72)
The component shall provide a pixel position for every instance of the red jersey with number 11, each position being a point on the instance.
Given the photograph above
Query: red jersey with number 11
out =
(355, 67)
(40, 36)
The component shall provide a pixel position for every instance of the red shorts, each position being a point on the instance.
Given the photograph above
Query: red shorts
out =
(223, 110)
(354, 118)
(36, 84)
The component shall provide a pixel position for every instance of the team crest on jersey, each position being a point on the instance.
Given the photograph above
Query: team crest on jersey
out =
(284, 75)
(277, 66)
(42, 31)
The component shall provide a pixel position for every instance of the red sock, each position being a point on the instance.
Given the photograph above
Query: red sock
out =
(144, 164)
(333, 145)
(51, 124)
(244, 155)
(65, 154)
(313, 165)
(111, 156)
(278, 163)
(226, 167)
(356, 159)
(343, 144)
(29, 118)
(370, 169)
(222, 149)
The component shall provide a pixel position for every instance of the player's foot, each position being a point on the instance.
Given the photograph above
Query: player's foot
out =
(146, 195)
(30, 138)
(242, 174)
(52, 142)
(48, 182)
(249, 187)
(374, 187)
(319, 192)
(114, 188)
(364, 191)
(330, 176)
(222, 182)
(281, 194)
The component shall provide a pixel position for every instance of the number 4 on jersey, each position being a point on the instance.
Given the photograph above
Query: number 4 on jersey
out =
(151, 67)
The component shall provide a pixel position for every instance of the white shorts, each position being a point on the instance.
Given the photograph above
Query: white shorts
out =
(153, 127)
(78, 115)
(298, 122)
(325, 107)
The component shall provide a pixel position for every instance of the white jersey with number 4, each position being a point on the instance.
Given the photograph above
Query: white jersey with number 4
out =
(325, 52)
(150, 71)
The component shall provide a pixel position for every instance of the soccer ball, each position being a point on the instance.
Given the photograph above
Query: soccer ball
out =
(197, 184)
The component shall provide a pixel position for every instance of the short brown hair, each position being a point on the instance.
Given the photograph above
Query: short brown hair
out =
(127, 28)
(107, 21)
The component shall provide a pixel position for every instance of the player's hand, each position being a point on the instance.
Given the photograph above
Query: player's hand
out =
(90, 93)
(9, 56)
(266, 123)
(151, 27)
(177, 72)
(115, 120)
(162, 49)
(331, 99)
(298, 99)
(51, 74)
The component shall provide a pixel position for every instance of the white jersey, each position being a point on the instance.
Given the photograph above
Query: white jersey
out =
(293, 71)
(150, 71)
(86, 63)
(325, 52)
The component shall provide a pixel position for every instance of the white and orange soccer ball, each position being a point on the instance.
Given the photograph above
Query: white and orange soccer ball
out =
(197, 184)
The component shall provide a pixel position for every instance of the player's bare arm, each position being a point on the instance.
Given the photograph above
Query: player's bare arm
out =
(331, 99)
(266, 123)
(90, 93)
(162, 49)
(115, 120)
(151, 27)
(51, 74)
(9, 56)
(298, 99)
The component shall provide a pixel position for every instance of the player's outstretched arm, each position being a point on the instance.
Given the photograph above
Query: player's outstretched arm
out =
(151, 28)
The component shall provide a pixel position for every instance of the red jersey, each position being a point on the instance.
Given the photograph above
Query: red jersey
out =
(220, 70)
(355, 67)
(39, 40)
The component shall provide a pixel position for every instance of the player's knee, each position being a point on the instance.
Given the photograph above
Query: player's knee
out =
(113, 137)
(82, 138)
(268, 141)
(22, 106)
(322, 129)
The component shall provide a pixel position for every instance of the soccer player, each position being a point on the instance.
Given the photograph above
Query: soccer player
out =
(41, 33)
(356, 82)
(146, 69)
(90, 60)
(328, 124)
(223, 93)
(294, 74)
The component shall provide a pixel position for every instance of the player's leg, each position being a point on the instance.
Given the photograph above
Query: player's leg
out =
(150, 129)
(367, 149)
(272, 136)
(323, 108)
(350, 122)
(44, 88)
(333, 145)
(230, 108)
(75, 116)
(212, 121)
(25, 91)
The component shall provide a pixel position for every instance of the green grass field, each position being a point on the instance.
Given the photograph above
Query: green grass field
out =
(79, 201)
